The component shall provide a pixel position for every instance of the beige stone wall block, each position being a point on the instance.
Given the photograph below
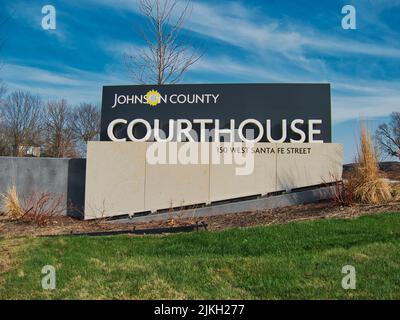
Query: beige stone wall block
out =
(130, 177)
(252, 172)
(307, 164)
(182, 181)
(115, 178)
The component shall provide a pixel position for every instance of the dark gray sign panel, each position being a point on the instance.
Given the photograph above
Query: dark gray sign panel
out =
(311, 103)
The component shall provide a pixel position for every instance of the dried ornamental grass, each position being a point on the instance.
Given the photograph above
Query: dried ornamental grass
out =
(11, 205)
(370, 185)
(396, 191)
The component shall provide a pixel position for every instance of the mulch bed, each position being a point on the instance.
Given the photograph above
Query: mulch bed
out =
(321, 210)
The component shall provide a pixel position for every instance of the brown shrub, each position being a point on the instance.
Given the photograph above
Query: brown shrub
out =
(42, 207)
(39, 207)
(343, 192)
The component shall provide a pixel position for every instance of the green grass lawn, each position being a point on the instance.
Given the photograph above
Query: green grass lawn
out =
(296, 260)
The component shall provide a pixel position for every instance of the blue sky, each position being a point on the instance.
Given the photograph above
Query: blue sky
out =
(245, 41)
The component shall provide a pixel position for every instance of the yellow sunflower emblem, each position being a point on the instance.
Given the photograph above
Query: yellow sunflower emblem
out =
(153, 97)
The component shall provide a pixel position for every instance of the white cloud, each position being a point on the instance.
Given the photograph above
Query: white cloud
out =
(119, 49)
(245, 27)
(13, 72)
(72, 84)
(358, 107)
(350, 99)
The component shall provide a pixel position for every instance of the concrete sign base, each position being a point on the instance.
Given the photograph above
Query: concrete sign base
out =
(130, 177)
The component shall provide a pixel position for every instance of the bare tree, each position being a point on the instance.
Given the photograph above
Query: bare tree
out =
(59, 136)
(86, 124)
(387, 136)
(167, 56)
(4, 150)
(21, 115)
(4, 147)
(4, 144)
